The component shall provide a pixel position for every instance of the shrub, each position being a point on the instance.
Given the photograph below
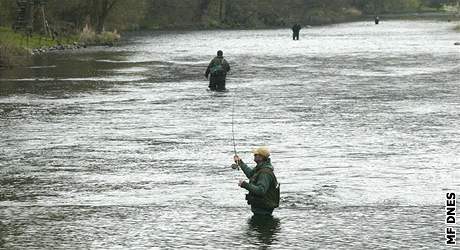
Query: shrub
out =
(108, 38)
(89, 37)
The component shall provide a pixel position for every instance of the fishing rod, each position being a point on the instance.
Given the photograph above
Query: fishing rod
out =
(234, 165)
(233, 124)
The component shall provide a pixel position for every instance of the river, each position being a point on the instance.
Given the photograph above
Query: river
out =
(124, 148)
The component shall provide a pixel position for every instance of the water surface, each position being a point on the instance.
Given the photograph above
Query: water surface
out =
(123, 147)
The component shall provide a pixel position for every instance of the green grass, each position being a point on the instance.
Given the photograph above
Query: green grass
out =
(11, 52)
(15, 48)
(12, 55)
(35, 41)
(8, 36)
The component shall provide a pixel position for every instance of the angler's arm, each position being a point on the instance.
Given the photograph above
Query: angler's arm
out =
(261, 187)
(208, 69)
(247, 170)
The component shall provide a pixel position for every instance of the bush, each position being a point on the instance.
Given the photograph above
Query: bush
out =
(108, 38)
(89, 37)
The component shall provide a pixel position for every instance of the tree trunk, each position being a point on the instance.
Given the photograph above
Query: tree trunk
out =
(222, 4)
(204, 9)
(100, 11)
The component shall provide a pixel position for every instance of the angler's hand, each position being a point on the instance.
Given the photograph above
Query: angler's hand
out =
(242, 183)
(237, 159)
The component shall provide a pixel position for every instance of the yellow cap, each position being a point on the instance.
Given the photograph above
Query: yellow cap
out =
(263, 151)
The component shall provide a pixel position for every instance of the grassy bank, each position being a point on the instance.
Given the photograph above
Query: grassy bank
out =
(13, 49)
(35, 41)
(16, 48)
(11, 55)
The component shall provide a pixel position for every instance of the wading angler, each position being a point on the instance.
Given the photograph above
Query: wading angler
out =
(264, 189)
(217, 68)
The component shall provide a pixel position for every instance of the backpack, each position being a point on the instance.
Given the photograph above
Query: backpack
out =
(217, 68)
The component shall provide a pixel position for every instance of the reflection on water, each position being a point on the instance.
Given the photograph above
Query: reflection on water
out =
(264, 229)
(123, 147)
(3, 234)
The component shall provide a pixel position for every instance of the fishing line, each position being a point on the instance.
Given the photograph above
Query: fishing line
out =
(233, 124)
(234, 165)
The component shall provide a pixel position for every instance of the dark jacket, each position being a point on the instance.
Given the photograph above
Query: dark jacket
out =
(296, 28)
(262, 187)
(217, 79)
(218, 60)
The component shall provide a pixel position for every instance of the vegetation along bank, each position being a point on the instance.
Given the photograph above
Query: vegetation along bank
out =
(37, 26)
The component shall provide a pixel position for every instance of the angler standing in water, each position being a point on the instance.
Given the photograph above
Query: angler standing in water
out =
(218, 68)
(295, 31)
(264, 192)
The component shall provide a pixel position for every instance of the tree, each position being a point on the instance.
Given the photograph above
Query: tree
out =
(100, 11)
(127, 15)
(7, 11)
(436, 3)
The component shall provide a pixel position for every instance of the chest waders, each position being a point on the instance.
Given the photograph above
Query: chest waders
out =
(271, 199)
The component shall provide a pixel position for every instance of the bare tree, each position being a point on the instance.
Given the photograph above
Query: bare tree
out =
(99, 12)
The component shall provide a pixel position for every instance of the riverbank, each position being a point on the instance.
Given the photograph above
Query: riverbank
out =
(315, 17)
(12, 48)
(11, 54)
(17, 48)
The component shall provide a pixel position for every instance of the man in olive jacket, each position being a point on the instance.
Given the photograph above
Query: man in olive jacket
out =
(263, 187)
(218, 68)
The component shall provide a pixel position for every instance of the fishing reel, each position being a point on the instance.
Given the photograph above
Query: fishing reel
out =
(235, 166)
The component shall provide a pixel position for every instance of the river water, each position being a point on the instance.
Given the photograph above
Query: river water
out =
(123, 147)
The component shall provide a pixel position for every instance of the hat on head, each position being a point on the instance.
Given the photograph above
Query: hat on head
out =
(263, 151)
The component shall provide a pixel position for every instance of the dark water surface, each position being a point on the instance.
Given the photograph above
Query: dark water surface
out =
(115, 148)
